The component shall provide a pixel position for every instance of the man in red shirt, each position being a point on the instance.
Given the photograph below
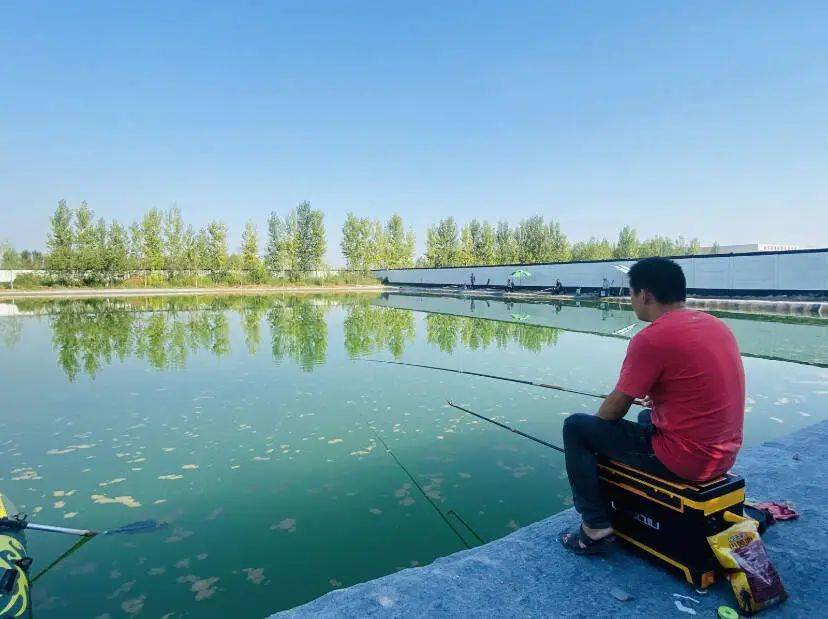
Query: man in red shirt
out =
(686, 366)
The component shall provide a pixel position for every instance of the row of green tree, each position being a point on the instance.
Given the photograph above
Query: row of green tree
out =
(84, 247)
(10, 258)
(79, 244)
(535, 240)
(368, 244)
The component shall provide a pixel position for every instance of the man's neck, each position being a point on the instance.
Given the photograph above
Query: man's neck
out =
(659, 309)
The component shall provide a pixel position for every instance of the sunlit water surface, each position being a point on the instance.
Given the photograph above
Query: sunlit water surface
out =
(254, 428)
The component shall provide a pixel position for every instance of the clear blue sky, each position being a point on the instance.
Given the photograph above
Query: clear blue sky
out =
(705, 119)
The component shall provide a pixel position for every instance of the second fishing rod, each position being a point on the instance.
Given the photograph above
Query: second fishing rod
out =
(505, 378)
(510, 379)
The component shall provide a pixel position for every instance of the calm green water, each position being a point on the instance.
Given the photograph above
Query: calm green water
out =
(245, 423)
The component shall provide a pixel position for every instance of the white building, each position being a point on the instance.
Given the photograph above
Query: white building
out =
(747, 248)
(762, 273)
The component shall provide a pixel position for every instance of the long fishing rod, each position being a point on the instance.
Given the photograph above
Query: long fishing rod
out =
(425, 494)
(19, 522)
(133, 527)
(494, 376)
(75, 547)
(505, 427)
(451, 512)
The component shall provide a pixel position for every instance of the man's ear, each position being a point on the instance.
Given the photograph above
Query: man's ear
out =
(648, 297)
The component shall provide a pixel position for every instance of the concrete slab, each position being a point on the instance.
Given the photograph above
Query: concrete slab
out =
(527, 574)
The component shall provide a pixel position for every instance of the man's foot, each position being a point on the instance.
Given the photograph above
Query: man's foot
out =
(586, 540)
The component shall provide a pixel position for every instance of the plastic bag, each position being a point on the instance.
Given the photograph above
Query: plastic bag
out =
(755, 582)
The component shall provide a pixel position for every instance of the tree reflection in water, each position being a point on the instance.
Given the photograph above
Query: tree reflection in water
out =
(11, 330)
(370, 329)
(298, 330)
(88, 334)
(445, 330)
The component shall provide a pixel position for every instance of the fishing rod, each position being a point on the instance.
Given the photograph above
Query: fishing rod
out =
(506, 378)
(425, 495)
(20, 522)
(75, 547)
(504, 426)
(451, 512)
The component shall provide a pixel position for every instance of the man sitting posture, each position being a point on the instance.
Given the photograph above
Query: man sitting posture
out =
(686, 366)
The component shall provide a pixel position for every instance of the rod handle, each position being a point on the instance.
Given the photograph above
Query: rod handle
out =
(65, 530)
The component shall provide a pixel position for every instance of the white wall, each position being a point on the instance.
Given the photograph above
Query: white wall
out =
(782, 271)
(8, 275)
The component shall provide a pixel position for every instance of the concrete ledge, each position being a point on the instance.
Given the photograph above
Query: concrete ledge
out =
(82, 293)
(793, 307)
(763, 306)
(527, 574)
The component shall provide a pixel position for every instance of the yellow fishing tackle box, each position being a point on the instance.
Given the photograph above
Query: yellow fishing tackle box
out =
(670, 520)
(14, 563)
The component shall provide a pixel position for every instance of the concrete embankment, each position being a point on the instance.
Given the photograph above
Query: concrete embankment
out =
(528, 574)
(763, 306)
(817, 307)
(79, 293)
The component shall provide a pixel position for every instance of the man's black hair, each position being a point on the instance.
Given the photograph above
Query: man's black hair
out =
(662, 277)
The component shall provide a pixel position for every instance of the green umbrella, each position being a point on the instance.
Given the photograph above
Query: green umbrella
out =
(521, 273)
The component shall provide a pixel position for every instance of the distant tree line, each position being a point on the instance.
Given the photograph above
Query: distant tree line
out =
(368, 244)
(533, 241)
(10, 258)
(161, 247)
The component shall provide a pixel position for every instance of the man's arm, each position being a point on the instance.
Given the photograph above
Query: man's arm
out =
(615, 406)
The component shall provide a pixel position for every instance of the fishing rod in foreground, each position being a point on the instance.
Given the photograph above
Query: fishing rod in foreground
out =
(134, 527)
(18, 522)
(428, 498)
(496, 377)
(505, 427)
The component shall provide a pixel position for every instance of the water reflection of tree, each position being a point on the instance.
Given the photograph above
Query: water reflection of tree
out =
(11, 330)
(442, 330)
(298, 330)
(369, 329)
(445, 331)
(251, 320)
(88, 334)
(165, 340)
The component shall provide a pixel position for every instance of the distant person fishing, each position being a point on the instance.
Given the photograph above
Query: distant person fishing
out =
(687, 368)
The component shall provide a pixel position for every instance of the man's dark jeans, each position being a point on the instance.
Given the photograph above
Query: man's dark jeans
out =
(588, 436)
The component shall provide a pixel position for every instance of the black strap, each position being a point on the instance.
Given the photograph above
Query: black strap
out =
(16, 523)
(8, 580)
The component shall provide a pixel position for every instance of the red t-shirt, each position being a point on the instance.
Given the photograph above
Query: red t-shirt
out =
(688, 362)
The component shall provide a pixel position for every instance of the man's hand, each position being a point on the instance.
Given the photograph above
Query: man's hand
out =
(615, 406)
